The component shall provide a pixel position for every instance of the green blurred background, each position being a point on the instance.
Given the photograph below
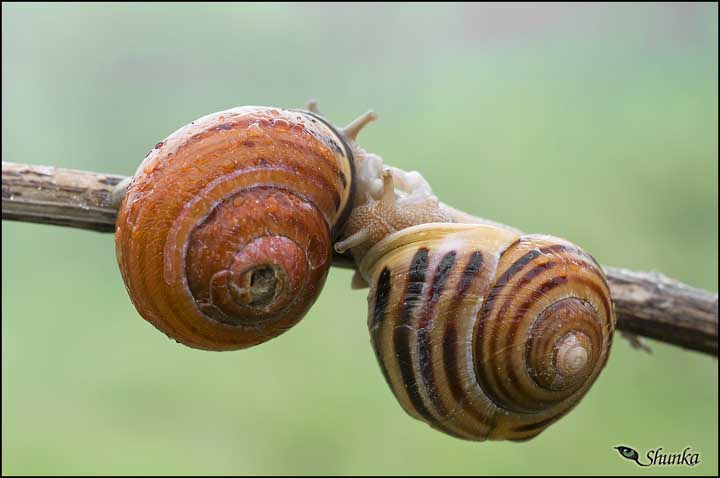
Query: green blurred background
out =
(609, 113)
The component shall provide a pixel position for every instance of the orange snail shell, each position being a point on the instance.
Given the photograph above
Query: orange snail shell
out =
(224, 236)
(483, 333)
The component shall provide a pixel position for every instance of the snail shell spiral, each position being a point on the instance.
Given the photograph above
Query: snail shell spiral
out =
(224, 236)
(484, 333)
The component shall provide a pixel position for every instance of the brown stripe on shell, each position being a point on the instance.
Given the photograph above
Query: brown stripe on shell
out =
(425, 324)
(402, 335)
(497, 288)
(450, 340)
(539, 425)
(379, 309)
(473, 266)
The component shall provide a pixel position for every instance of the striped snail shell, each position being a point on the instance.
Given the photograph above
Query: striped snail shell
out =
(484, 333)
(224, 236)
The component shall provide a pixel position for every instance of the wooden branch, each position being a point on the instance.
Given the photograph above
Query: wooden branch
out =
(63, 197)
(648, 304)
(652, 305)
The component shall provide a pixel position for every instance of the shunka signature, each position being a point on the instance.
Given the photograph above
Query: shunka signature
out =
(656, 457)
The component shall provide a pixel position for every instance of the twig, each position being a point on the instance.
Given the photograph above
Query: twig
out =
(63, 197)
(653, 305)
(648, 304)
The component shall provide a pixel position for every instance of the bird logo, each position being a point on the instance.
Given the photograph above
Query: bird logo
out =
(630, 454)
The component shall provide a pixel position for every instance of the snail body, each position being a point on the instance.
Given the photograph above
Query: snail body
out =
(224, 235)
(479, 330)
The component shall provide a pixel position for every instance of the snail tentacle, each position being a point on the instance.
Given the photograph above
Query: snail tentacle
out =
(353, 128)
(312, 106)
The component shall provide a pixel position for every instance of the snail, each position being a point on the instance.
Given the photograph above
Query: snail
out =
(479, 330)
(224, 234)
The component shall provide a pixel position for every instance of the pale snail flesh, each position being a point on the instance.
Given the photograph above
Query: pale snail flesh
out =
(480, 331)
